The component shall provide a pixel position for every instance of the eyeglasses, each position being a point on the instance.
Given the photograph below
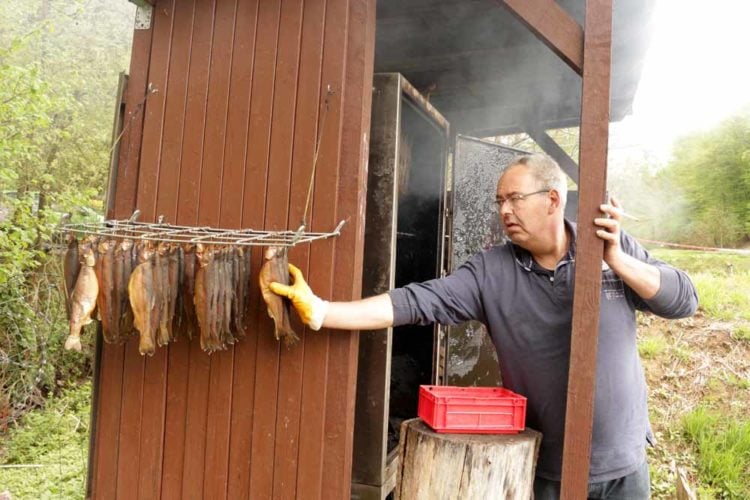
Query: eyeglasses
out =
(515, 198)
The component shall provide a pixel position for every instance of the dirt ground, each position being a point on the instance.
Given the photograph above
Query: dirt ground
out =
(688, 363)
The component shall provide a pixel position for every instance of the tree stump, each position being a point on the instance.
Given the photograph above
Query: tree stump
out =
(466, 466)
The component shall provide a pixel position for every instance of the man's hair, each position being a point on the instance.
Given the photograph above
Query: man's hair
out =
(546, 171)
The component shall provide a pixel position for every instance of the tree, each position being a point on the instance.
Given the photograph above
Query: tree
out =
(713, 169)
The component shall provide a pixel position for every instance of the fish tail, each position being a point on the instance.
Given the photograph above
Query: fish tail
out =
(73, 342)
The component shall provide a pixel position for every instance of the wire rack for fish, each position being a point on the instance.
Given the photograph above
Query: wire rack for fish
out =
(163, 232)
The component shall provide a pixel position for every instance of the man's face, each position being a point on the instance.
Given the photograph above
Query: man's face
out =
(524, 218)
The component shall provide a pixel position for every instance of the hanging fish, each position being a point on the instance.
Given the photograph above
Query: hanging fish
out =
(124, 264)
(83, 297)
(276, 269)
(105, 300)
(176, 276)
(240, 288)
(71, 267)
(163, 292)
(204, 291)
(228, 297)
(189, 264)
(142, 299)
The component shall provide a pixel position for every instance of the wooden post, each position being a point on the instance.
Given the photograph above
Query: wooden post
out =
(465, 466)
(597, 56)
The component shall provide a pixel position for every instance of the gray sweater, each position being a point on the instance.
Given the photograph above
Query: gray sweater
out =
(528, 312)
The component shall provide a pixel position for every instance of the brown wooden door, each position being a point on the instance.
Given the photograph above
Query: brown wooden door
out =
(224, 109)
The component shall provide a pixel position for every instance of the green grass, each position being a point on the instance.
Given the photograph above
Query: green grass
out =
(722, 280)
(694, 261)
(742, 332)
(723, 451)
(651, 347)
(53, 439)
(724, 297)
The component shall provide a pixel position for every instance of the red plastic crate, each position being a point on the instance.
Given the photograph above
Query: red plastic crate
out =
(472, 410)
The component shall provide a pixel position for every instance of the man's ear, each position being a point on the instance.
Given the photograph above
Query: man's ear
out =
(555, 200)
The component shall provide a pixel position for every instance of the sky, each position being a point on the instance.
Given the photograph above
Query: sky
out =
(696, 73)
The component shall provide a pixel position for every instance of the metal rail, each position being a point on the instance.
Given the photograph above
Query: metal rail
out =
(160, 231)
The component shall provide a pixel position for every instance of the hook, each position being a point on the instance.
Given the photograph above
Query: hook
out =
(337, 231)
(135, 215)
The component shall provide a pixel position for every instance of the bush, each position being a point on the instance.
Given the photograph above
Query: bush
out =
(54, 440)
(33, 325)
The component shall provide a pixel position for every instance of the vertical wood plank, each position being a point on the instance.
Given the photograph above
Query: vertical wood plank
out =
(278, 202)
(257, 171)
(597, 56)
(153, 401)
(106, 441)
(220, 377)
(317, 345)
(130, 143)
(191, 173)
(105, 469)
(243, 59)
(169, 175)
(305, 139)
(347, 281)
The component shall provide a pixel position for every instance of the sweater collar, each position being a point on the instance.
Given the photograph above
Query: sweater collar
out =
(524, 259)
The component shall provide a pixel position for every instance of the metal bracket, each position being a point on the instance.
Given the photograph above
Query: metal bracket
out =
(143, 16)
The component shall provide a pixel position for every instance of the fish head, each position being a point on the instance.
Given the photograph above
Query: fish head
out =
(145, 251)
(270, 253)
(126, 245)
(87, 257)
(105, 245)
(205, 254)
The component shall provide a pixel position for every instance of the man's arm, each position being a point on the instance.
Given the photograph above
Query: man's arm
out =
(663, 290)
(366, 314)
(643, 278)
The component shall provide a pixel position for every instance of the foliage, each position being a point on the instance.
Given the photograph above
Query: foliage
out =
(55, 440)
(59, 61)
(723, 446)
(701, 197)
(714, 168)
(59, 66)
(33, 326)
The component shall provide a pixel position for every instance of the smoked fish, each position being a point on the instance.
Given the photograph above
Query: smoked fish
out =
(202, 296)
(143, 300)
(124, 263)
(276, 269)
(187, 288)
(105, 300)
(83, 297)
(162, 292)
(71, 267)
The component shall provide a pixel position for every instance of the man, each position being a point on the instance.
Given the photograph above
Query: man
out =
(523, 292)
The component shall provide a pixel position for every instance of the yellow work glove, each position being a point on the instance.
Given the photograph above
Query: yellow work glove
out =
(311, 308)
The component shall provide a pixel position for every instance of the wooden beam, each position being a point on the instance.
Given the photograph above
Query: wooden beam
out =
(552, 148)
(589, 248)
(553, 26)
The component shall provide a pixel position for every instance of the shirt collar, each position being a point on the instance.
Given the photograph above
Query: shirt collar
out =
(524, 259)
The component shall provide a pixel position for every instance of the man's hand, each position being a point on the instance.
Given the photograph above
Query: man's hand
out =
(643, 278)
(311, 308)
(610, 231)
